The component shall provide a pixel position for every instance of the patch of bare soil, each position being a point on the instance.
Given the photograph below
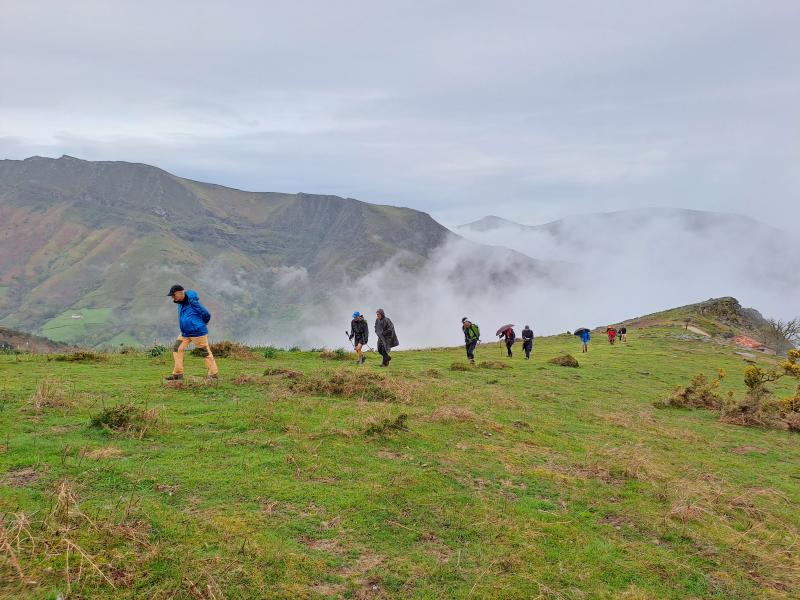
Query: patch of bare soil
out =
(20, 477)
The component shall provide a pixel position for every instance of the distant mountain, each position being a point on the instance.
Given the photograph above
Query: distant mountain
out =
(697, 221)
(650, 257)
(491, 222)
(89, 249)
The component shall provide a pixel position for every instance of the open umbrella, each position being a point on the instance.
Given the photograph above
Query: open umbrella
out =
(503, 329)
(580, 330)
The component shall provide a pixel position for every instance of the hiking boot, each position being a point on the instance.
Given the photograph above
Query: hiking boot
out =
(214, 377)
(472, 361)
(173, 377)
(363, 360)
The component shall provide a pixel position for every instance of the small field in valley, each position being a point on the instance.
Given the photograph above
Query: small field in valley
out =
(299, 476)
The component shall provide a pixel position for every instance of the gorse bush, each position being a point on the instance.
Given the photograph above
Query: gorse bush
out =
(338, 354)
(271, 352)
(157, 351)
(700, 393)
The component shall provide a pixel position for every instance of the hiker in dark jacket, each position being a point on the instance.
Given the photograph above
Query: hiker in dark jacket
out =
(192, 319)
(527, 341)
(387, 338)
(359, 335)
(510, 337)
(472, 335)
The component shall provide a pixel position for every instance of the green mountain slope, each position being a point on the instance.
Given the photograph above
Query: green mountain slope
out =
(106, 239)
(532, 481)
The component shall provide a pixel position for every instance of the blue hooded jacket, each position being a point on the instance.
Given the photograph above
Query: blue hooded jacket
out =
(193, 316)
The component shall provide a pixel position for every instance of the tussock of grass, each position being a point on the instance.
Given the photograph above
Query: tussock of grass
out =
(52, 393)
(386, 425)
(450, 413)
(494, 364)
(358, 385)
(99, 453)
(565, 360)
(460, 366)
(80, 356)
(127, 418)
(283, 373)
(226, 349)
(190, 382)
(434, 373)
(248, 378)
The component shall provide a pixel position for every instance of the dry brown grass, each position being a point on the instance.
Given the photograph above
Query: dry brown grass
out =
(101, 453)
(453, 414)
(52, 393)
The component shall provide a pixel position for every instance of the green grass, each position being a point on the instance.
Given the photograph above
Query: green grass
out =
(64, 328)
(533, 481)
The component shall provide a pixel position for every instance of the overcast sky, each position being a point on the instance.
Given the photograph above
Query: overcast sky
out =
(528, 110)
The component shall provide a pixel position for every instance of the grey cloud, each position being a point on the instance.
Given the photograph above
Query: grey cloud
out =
(450, 107)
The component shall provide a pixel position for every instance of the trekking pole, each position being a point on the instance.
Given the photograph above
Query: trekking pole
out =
(350, 340)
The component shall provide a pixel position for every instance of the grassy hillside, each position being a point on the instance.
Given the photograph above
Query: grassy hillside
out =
(529, 481)
(79, 236)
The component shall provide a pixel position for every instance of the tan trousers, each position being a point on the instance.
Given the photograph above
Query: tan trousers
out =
(182, 343)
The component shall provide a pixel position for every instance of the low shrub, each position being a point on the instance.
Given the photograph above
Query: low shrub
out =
(271, 352)
(157, 351)
(565, 360)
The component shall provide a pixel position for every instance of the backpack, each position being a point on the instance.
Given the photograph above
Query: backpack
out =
(476, 330)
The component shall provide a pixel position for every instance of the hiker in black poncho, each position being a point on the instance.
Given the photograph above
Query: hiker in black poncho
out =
(527, 341)
(472, 335)
(387, 338)
(359, 335)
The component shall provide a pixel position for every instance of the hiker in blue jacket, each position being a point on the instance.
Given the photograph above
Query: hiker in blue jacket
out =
(193, 318)
(585, 337)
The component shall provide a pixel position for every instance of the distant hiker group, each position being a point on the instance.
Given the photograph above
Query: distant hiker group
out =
(384, 330)
(193, 319)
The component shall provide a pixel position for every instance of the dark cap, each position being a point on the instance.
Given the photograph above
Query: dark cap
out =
(464, 320)
(175, 288)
